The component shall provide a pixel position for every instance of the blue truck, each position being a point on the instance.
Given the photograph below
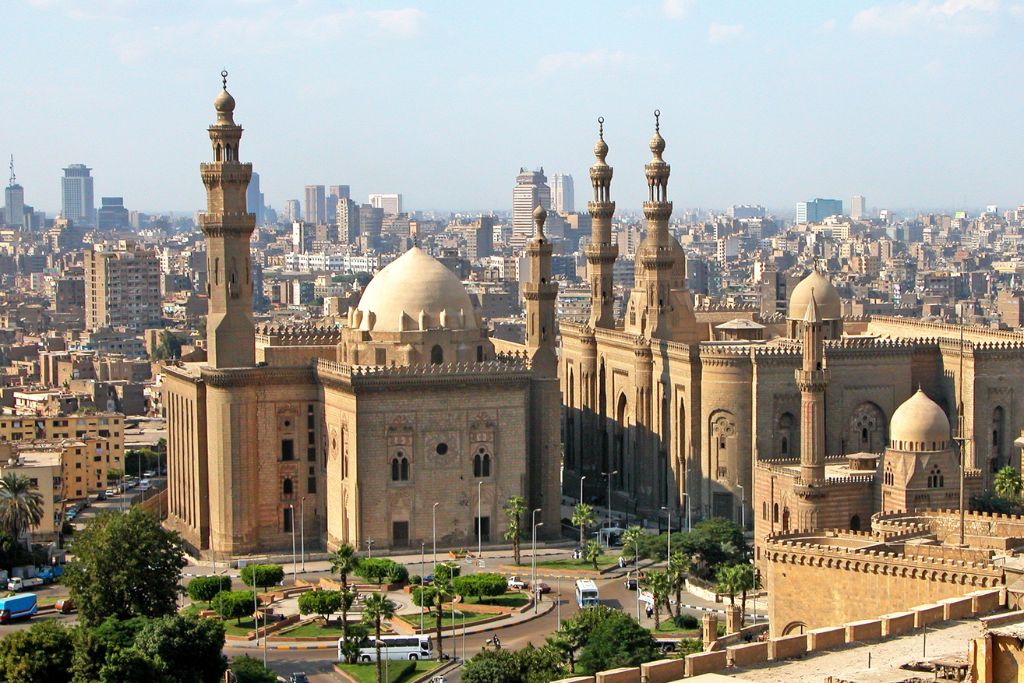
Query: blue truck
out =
(17, 606)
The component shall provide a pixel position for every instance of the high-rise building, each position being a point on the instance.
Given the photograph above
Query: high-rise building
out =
(531, 190)
(335, 194)
(858, 208)
(480, 237)
(390, 203)
(371, 221)
(818, 210)
(112, 215)
(562, 197)
(316, 204)
(348, 221)
(122, 287)
(14, 202)
(339, 191)
(77, 195)
(254, 199)
(292, 212)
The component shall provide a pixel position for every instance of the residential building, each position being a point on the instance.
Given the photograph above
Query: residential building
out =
(122, 287)
(391, 204)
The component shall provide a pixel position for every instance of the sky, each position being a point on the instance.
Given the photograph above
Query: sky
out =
(912, 103)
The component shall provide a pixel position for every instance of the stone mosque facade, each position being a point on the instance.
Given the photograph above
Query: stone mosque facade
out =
(402, 420)
(691, 410)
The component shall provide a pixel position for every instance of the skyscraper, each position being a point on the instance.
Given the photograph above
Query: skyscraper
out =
(14, 202)
(562, 197)
(348, 221)
(76, 195)
(339, 191)
(858, 209)
(316, 205)
(112, 214)
(371, 220)
(390, 203)
(292, 212)
(254, 199)
(335, 195)
(818, 210)
(531, 190)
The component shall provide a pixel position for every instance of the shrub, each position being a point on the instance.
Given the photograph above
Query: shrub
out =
(480, 585)
(204, 588)
(262, 575)
(416, 580)
(379, 569)
(687, 621)
(323, 603)
(233, 604)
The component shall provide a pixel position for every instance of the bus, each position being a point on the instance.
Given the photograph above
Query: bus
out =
(393, 647)
(586, 593)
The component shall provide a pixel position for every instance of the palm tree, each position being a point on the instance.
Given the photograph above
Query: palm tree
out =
(377, 608)
(660, 586)
(631, 539)
(678, 568)
(514, 509)
(583, 516)
(21, 506)
(344, 562)
(735, 578)
(441, 588)
(1007, 483)
(592, 553)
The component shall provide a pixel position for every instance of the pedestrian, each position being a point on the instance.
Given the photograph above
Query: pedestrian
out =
(650, 611)
(622, 562)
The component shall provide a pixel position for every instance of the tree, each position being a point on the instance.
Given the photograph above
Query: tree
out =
(323, 603)
(262, 575)
(631, 540)
(204, 588)
(42, 653)
(1007, 483)
(615, 642)
(514, 509)
(233, 605)
(125, 565)
(169, 346)
(377, 569)
(678, 569)
(660, 585)
(94, 645)
(529, 665)
(735, 578)
(21, 506)
(583, 516)
(187, 648)
(480, 585)
(592, 553)
(249, 670)
(132, 666)
(344, 562)
(377, 608)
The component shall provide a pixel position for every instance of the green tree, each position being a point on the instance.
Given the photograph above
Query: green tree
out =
(583, 517)
(377, 608)
(735, 578)
(615, 642)
(262, 575)
(169, 346)
(233, 605)
(132, 666)
(322, 602)
(203, 588)
(1007, 483)
(631, 538)
(42, 653)
(249, 670)
(94, 645)
(660, 586)
(124, 565)
(678, 570)
(187, 648)
(21, 506)
(379, 569)
(529, 665)
(514, 509)
(344, 562)
(480, 585)
(592, 553)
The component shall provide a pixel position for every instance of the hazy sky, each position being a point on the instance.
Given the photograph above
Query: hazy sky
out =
(912, 103)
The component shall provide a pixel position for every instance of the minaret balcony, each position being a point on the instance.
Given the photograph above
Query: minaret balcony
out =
(812, 380)
(810, 491)
(601, 253)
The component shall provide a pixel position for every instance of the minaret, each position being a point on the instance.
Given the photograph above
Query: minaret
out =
(540, 294)
(812, 378)
(227, 225)
(601, 253)
(659, 305)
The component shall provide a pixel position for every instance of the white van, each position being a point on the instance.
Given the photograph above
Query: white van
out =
(393, 647)
(586, 593)
(144, 485)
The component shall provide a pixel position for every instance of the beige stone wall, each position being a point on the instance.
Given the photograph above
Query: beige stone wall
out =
(188, 494)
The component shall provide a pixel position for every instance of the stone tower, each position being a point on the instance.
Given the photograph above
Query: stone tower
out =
(227, 226)
(812, 378)
(601, 253)
(659, 305)
(545, 397)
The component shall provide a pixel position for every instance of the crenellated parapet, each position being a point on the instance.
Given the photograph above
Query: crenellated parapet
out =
(298, 335)
(508, 367)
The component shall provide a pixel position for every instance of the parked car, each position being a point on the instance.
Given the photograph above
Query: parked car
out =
(102, 495)
(541, 587)
(516, 583)
(149, 473)
(64, 606)
(630, 584)
(299, 677)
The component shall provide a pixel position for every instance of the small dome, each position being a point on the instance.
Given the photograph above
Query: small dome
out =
(825, 295)
(601, 149)
(657, 144)
(539, 214)
(224, 103)
(919, 425)
(415, 283)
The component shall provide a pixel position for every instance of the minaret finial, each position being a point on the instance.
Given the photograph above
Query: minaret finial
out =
(224, 78)
(657, 120)
(600, 127)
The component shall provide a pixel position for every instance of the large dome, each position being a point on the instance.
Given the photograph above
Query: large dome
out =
(826, 296)
(415, 287)
(919, 425)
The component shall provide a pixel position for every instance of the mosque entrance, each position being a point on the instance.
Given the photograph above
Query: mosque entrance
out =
(722, 505)
(399, 534)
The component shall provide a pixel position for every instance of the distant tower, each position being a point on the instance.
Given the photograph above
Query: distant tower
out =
(228, 225)
(531, 190)
(316, 205)
(540, 294)
(858, 208)
(254, 199)
(563, 198)
(77, 195)
(601, 253)
(14, 201)
(812, 378)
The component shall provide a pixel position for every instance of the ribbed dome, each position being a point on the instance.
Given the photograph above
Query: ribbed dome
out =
(415, 283)
(825, 295)
(919, 425)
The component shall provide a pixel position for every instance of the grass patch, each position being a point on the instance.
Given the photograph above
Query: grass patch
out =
(668, 627)
(397, 671)
(603, 562)
(509, 599)
(192, 610)
(429, 620)
(313, 629)
(240, 629)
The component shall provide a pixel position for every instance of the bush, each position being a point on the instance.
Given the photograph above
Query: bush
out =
(480, 585)
(379, 569)
(397, 573)
(233, 604)
(416, 580)
(249, 670)
(204, 588)
(262, 575)
(323, 603)
(447, 570)
(421, 594)
(687, 621)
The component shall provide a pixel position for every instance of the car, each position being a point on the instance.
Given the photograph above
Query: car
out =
(299, 677)
(64, 606)
(516, 583)
(111, 491)
(102, 495)
(149, 473)
(630, 584)
(541, 587)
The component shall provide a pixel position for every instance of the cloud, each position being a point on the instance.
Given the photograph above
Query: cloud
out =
(1016, 10)
(723, 33)
(400, 22)
(958, 15)
(829, 25)
(676, 9)
(575, 61)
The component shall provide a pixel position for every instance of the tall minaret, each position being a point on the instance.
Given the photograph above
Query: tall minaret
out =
(601, 253)
(227, 225)
(812, 378)
(659, 305)
(540, 294)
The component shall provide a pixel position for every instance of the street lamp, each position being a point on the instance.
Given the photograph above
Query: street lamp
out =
(302, 531)
(433, 528)
(669, 510)
(294, 564)
(369, 548)
(686, 501)
(533, 558)
(581, 500)
(743, 506)
(479, 522)
(423, 565)
(610, 475)
(636, 570)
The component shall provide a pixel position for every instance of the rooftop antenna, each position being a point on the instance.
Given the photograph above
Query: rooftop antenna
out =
(13, 178)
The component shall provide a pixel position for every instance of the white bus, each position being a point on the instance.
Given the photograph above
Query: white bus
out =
(393, 647)
(586, 593)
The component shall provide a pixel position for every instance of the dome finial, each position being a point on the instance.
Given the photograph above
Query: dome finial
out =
(600, 127)
(539, 216)
(657, 120)
(224, 78)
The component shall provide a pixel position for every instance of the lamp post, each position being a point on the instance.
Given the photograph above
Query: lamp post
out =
(369, 548)
(558, 599)
(636, 570)
(479, 521)
(581, 500)
(610, 475)
(686, 501)
(423, 565)
(669, 510)
(294, 563)
(433, 528)
(533, 558)
(302, 531)
(743, 505)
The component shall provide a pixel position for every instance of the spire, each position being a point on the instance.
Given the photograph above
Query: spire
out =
(14, 180)
(224, 103)
(539, 216)
(601, 253)
(813, 315)
(656, 170)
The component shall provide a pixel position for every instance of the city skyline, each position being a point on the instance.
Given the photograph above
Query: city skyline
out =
(759, 106)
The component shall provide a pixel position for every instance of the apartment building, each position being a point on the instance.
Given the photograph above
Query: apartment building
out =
(122, 287)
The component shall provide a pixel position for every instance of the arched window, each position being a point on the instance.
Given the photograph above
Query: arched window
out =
(855, 523)
(775, 513)
(487, 465)
(785, 519)
(399, 467)
(436, 355)
(481, 463)
(287, 488)
(935, 478)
